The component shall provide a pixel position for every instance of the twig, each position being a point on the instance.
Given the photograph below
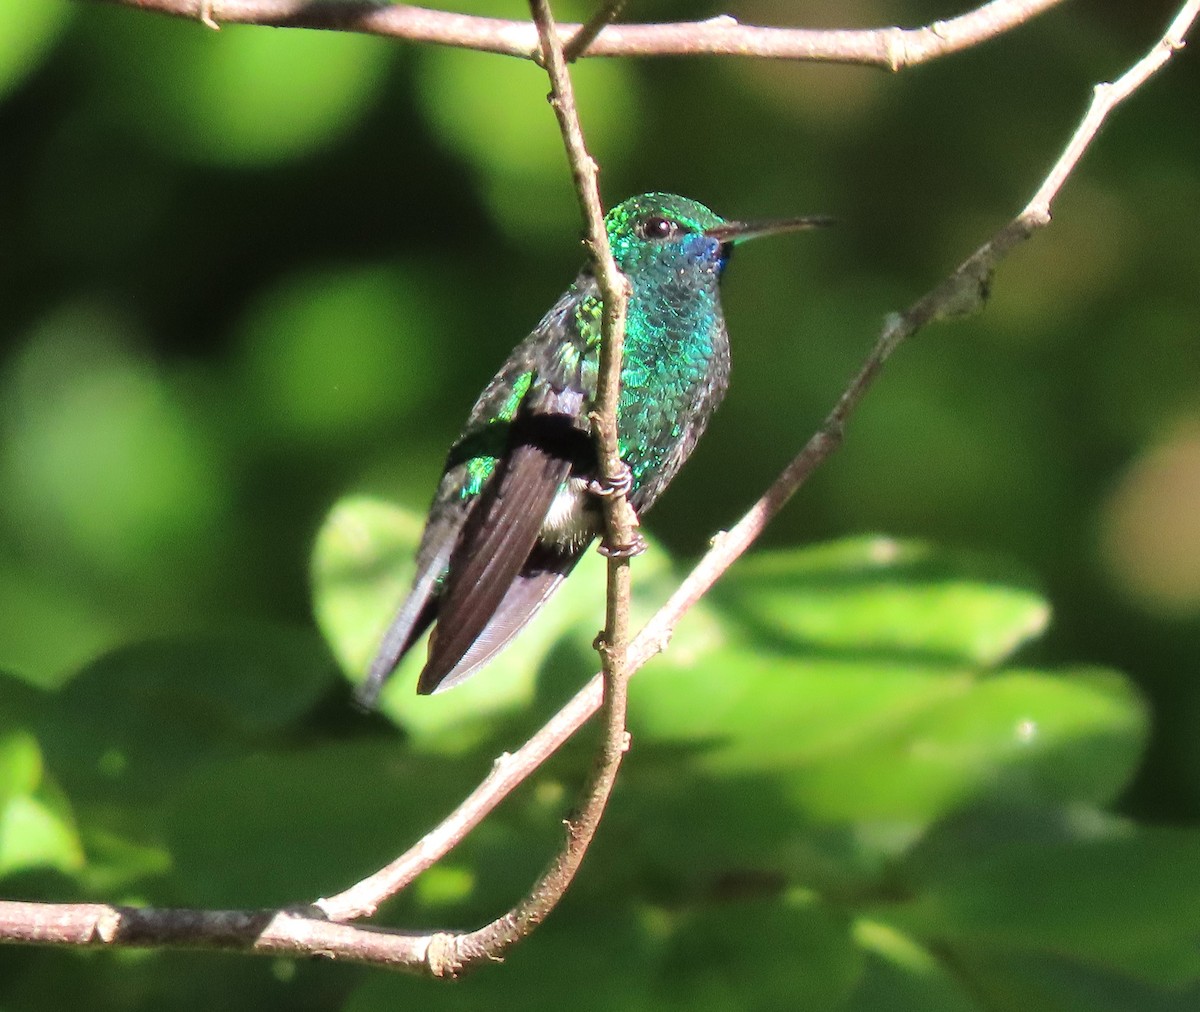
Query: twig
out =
(206, 16)
(492, 940)
(963, 291)
(619, 515)
(586, 35)
(889, 48)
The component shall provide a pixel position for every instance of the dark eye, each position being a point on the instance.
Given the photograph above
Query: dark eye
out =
(657, 228)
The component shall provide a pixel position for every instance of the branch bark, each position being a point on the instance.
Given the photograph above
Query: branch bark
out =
(493, 940)
(888, 48)
(582, 39)
(266, 932)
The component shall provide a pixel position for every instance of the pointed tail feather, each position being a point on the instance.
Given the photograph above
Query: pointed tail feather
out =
(414, 617)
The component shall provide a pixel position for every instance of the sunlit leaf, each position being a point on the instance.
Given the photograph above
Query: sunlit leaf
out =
(363, 565)
(35, 833)
(27, 31)
(20, 764)
(36, 826)
(855, 742)
(889, 598)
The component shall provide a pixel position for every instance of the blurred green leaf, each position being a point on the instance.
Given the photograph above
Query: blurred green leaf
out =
(36, 826)
(48, 630)
(1050, 983)
(245, 95)
(37, 832)
(331, 353)
(362, 569)
(285, 826)
(798, 952)
(20, 765)
(27, 31)
(895, 741)
(895, 735)
(865, 596)
(1050, 737)
(98, 456)
(901, 976)
(137, 719)
(117, 863)
(1129, 900)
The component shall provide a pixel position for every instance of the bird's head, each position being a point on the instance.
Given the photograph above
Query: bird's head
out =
(663, 231)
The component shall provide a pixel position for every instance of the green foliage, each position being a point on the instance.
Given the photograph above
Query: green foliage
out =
(25, 34)
(840, 779)
(252, 281)
(362, 566)
(490, 111)
(257, 99)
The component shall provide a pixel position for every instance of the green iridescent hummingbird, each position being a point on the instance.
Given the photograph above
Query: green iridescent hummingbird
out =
(519, 499)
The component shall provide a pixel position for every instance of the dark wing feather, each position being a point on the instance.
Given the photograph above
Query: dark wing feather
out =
(550, 424)
(501, 534)
(539, 578)
(495, 544)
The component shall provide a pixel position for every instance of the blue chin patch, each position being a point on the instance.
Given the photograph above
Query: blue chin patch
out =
(703, 248)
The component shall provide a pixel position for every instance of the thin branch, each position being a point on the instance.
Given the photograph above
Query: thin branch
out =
(620, 518)
(493, 940)
(889, 48)
(1105, 98)
(962, 292)
(587, 34)
(264, 932)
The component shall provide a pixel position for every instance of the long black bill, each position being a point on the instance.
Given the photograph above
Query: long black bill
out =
(738, 231)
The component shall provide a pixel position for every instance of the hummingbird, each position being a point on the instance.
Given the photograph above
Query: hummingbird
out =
(519, 500)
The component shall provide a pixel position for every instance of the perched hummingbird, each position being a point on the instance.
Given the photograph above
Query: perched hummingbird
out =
(519, 499)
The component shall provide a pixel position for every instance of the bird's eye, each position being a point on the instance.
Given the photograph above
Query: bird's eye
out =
(655, 227)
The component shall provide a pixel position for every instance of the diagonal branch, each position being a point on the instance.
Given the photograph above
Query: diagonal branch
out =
(889, 48)
(582, 40)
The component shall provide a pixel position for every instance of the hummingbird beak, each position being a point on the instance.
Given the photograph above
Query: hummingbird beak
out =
(739, 231)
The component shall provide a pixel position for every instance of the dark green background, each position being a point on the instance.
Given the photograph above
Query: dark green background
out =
(247, 275)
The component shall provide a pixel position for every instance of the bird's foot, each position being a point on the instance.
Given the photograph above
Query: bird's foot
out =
(620, 484)
(636, 546)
